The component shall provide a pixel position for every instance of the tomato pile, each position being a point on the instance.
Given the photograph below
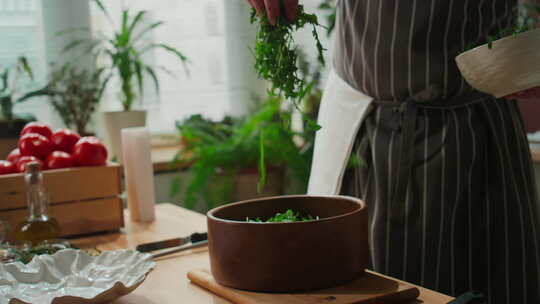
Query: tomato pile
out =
(53, 150)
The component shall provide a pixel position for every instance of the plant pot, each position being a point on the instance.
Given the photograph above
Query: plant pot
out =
(114, 122)
(246, 181)
(9, 134)
(287, 257)
(7, 145)
(511, 65)
(242, 185)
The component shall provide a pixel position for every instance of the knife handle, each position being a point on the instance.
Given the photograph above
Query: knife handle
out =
(199, 237)
(471, 297)
(179, 249)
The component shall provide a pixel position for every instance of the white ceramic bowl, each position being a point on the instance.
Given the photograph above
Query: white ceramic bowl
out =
(73, 276)
(511, 65)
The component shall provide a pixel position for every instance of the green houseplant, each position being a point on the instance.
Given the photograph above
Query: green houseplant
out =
(75, 94)
(9, 89)
(11, 94)
(124, 51)
(329, 7)
(258, 144)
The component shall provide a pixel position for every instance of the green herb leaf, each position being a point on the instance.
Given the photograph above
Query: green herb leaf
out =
(103, 9)
(288, 216)
(276, 52)
(526, 21)
(153, 75)
(136, 20)
(262, 164)
(23, 63)
(147, 29)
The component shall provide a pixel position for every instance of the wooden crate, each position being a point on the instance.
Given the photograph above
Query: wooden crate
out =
(83, 200)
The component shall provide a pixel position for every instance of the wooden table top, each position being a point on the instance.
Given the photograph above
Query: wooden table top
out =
(168, 283)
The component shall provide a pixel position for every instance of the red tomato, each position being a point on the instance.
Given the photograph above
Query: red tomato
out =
(33, 144)
(64, 140)
(21, 164)
(7, 167)
(14, 156)
(89, 151)
(37, 127)
(59, 160)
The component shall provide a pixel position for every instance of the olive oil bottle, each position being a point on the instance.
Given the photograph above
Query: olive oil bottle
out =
(38, 226)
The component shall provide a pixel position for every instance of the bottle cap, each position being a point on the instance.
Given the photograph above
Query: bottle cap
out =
(32, 167)
(32, 171)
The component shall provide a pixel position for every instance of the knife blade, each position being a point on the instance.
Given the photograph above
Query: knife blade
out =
(176, 242)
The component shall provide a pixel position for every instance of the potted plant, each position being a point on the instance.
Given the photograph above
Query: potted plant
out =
(507, 62)
(75, 94)
(330, 10)
(11, 124)
(123, 51)
(242, 158)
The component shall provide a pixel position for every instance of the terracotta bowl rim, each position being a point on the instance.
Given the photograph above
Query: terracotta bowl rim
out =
(210, 214)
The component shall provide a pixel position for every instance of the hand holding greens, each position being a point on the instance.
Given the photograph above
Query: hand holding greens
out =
(276, 53)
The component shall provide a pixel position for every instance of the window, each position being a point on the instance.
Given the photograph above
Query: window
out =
(29, 28)
(20, 35)
(19, 31)
(214, 35)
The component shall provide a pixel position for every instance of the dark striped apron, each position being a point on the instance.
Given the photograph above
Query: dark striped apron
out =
(448, 180)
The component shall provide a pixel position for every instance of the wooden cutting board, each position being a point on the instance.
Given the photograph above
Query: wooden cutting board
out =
(369, 288)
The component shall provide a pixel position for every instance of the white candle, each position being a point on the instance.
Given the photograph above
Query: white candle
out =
(138, 174)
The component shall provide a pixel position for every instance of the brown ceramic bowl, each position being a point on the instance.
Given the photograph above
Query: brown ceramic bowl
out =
(287, 257)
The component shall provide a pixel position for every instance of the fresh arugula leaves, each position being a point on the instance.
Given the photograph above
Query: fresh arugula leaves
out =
(509, 31)
(288, 216)
(527, 20)
(25, 254)
(276, 55)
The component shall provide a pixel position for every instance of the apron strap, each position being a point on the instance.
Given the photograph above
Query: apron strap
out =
(405, 122)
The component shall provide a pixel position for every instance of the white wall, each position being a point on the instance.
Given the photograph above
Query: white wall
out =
(63, 22)
(30, 27)
(241, 35)
(214, 35)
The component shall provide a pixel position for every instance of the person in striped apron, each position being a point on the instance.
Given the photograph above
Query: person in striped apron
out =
(448, 177)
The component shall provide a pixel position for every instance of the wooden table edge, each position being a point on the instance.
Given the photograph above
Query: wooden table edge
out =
(167, 211)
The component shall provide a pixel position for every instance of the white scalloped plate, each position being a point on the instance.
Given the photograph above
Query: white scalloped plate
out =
(73, 276)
